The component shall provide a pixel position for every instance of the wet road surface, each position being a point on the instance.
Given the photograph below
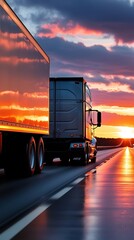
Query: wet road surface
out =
(18, 196)
(99, 207)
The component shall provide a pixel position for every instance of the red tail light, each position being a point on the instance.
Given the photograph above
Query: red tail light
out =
(75, 145)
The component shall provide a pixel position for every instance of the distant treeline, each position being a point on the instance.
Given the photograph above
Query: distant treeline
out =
(114, 142)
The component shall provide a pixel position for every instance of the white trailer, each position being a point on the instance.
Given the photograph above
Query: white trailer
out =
(24, 97)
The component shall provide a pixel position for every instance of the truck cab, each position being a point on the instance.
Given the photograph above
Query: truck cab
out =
(72, 120)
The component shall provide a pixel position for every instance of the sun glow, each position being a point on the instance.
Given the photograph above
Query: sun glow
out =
(126, 132)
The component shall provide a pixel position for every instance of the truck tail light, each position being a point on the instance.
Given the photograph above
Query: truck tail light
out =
(77, 145)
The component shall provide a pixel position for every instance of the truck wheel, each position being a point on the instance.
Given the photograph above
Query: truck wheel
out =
(93, 160)
(85, 159)
(40, 156)
(30, 157)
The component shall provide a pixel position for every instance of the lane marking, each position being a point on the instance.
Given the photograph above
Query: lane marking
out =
(21, 224)
(61, 193)
(93, 170)
(12, 231)
(77, 181)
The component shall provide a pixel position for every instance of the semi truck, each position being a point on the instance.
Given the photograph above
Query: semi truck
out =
(27, 138)
(24, 97)
(72, 122)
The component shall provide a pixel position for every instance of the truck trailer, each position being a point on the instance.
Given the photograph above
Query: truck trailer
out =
(72, 122)
(24, 97)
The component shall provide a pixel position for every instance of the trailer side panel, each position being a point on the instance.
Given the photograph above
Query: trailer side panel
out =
(24, 77)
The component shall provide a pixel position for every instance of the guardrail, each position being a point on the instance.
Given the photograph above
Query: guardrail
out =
(109, 147)
(106, 147)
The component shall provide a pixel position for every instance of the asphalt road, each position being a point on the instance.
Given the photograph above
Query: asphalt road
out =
(66, 202)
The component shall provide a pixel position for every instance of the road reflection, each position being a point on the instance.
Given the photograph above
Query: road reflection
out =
(127, 163)
(101, 207)
(108, 202)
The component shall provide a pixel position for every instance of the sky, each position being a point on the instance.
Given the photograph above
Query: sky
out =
(93, 39)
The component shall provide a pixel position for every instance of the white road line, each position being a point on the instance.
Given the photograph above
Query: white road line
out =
(21, 224)
(61, 193)
(93, 170)
(77, 181)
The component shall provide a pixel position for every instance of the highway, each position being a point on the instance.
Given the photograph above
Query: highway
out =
(65, 202)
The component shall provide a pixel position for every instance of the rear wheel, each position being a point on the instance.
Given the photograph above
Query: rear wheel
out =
(93, 160)
(40, 156)
(30, 159)
(84, 159)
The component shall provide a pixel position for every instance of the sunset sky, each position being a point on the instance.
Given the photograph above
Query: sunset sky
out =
(93, 39)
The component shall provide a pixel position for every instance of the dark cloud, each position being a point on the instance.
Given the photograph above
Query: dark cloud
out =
(114, 17)
(5, 23)
(95, 60)
(128, 82)
(70, 58)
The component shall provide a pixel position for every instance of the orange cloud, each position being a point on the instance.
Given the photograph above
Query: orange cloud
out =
(4, 41)
(9, 93)
(25, 108)
(15, 60)
(123, 111)
(70, 28)
(117, 120)
(112, 87)
(36, 95)
(15, 100)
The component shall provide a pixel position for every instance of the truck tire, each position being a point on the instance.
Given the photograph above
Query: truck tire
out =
(39, 156)
(85, 156)
(30, 160)
(93, 160)
(85, 159)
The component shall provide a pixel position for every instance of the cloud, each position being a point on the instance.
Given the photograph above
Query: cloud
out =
(94, 60)
(112, 17)
(117, 110)
(73, 33)
(114, 119)
(54, 29)
(119, 99)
